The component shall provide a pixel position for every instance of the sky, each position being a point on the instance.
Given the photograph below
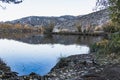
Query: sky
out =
(46, 8)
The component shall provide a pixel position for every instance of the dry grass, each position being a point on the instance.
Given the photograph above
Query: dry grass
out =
(18, 28)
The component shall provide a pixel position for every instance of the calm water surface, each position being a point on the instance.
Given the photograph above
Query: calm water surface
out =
(40, 53)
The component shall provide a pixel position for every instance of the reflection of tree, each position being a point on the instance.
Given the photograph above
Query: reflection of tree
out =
(36, 38)
(88, 40)
(48, 39)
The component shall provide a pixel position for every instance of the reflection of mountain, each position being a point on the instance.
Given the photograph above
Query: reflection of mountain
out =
(51, 39)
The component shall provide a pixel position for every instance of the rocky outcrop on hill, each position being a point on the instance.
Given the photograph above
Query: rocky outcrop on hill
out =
(84, 23)
(42, 21)
(68, 26)
(93, 20)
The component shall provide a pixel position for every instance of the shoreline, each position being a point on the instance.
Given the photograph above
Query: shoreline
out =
(61, 33)
(81, 33)
(75, 67)
(96, 33)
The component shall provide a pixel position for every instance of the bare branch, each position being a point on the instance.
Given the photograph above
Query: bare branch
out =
(2, 7)
(12, 1)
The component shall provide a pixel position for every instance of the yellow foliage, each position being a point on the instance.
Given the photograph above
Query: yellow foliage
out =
(102, 43)
(6, 27)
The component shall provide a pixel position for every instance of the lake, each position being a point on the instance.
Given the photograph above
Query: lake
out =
(40, 53)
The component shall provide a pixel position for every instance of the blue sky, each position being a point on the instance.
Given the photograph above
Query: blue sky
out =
(46, 8)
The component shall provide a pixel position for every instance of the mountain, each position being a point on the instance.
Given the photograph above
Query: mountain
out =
(95, 18)
(36, 20)
(67, 23)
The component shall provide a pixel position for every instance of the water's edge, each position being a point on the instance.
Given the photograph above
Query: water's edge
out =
(75, 67)
(55, 72)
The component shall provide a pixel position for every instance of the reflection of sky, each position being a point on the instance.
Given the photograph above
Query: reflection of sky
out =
(40, 58)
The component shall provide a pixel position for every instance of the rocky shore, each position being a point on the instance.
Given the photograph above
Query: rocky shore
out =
(76, 67)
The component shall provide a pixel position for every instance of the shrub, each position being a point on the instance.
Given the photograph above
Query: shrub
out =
(16, 28)
(89, 28)
(78, 25)
(111, 27)
(49, 28)
(98, 28)
(99, 46)
(112, 45)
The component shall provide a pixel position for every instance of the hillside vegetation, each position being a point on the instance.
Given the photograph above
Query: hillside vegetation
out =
(17, 28)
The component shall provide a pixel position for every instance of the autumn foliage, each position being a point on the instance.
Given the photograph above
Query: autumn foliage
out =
(18, 28)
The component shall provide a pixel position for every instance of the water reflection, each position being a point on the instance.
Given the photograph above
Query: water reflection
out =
(52, 39)
(39, 53)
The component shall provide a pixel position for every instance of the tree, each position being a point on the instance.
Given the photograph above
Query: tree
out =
(12, 1)
(113, 6)
(101, 4)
